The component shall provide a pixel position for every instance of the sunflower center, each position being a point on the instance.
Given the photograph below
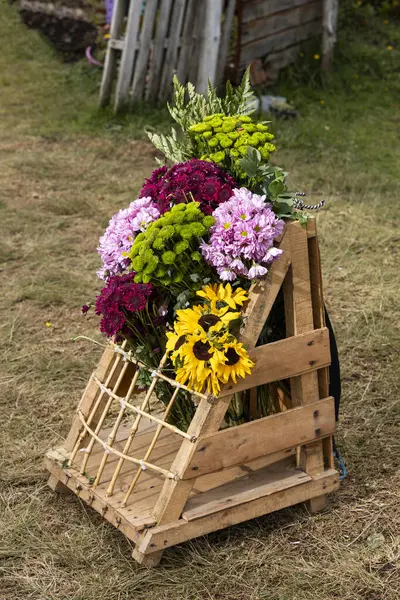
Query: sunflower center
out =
(232, 356)
(201, 350)
(208, 321)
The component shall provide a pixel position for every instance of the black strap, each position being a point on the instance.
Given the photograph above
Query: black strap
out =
(335, 386)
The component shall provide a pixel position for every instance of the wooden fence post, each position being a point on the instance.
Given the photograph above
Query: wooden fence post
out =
(329, 24)
(210, 44)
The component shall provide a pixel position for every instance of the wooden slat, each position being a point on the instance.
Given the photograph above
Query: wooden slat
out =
(210, 44)
(110, 63)
(142, 62)
(290, 357)
(278, 41)
(225, 40)
(127, 63)
(282, 21)
(90, 394)
(329, 25)
(262, 296)
(280, 476)
(186, 46)
(170, 60)
(164, 536)
(210, 481)
(300, 318)
(268, 435)
(130, 524)
(163, 19)
(258, 9)
(194, 62)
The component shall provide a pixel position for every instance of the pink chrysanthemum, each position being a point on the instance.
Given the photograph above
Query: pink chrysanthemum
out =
(195, 179)
(120, 235)
(241, 241)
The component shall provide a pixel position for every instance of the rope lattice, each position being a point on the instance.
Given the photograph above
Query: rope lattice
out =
(93, 423)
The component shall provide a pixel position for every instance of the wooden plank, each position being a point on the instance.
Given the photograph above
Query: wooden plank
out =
(210, 481)
(279, 41)
(278, 60)
(163, 20)
(317, 296)
(293, 356)
(110, 63)
(170, 534)
(194, 62)
(299, 318)
(262, 296)
(170, 60)
(264, 436)
(225, 40)
(264, 482)
(258, 9)
(210, 45)
(121, 518)
(90, 394)
(127, 63)
(282, 21)
(186, 45)
(329, 25)
(142, 62)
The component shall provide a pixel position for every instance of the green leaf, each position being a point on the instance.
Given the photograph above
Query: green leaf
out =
(276, 187)
(283, 208)
(253, 155)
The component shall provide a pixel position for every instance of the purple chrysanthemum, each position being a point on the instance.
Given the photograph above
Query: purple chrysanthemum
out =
(120, 296)
(241, 241)
(120, 234)
(195, 179)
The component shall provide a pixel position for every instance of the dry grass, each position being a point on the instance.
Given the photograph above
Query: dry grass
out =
(56, 194)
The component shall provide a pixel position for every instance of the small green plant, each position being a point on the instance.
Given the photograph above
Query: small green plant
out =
(189, 107)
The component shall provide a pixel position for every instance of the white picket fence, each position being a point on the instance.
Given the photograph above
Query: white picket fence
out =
(187, 37)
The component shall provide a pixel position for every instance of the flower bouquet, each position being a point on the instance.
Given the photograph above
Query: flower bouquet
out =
(178, 262)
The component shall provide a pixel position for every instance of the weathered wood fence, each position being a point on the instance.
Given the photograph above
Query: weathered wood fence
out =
(152, 40)
(187, 37)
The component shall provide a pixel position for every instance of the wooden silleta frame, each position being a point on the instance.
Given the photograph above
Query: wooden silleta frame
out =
(162, 486)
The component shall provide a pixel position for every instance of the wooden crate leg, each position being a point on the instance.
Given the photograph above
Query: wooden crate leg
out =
(312, 461)
(316, 504)
(57, 486)
(147, 560)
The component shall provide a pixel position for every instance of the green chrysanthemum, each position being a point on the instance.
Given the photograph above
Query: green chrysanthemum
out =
(225, 139)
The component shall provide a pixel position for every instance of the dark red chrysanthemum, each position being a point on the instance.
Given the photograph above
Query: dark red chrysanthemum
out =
(120, 295)
(198, 180)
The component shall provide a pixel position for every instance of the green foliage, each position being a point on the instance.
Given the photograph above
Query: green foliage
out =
(268, 180)
(190, 107)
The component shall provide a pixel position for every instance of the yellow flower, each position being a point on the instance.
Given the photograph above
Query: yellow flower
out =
(316, 56)
(219, 293)
(322, 101)
(389, 47)
(236, 362)
(199, 319)
(48, 324)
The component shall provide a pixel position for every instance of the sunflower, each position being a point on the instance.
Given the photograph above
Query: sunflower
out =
(200, 319)
(219, 294)
(195, 355)
(236, 362)
(174, 343)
